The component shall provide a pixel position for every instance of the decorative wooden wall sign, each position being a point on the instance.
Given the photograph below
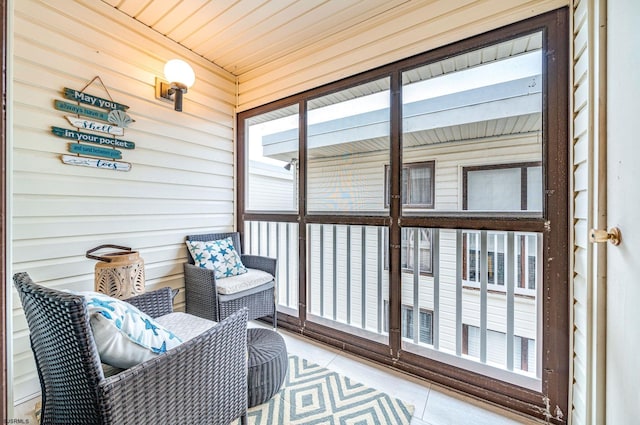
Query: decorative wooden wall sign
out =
(95, 163)
(94, 151)
(95, 126)
(114, 120)
(91, 138)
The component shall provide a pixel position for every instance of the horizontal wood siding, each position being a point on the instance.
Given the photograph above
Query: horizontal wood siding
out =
(359, 181)
(182, 176)
(269, 189)
(416, 27)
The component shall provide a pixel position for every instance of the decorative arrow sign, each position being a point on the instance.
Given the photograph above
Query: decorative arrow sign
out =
(81, 97)
(96, 163)
(95, 126)
(91, 138)
(94, 151)
(81, 110)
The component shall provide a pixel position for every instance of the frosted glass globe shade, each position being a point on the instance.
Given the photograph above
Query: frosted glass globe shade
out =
(178, 71)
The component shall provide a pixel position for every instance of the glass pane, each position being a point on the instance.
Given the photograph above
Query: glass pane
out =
(534, 189)
(488, 320)
(277, 240)
(272, 161)
(347, 280)
(478, 109)
(417, 285)
(494, 190)
(347, 150)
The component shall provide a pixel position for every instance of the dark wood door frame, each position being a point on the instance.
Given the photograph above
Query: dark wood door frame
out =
(553, 223)
(3, 212)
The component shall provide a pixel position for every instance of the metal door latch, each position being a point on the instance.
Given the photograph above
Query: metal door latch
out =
(599, 236)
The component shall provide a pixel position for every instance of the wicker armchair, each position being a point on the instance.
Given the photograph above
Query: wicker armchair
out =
(203, 299)
(201, 381)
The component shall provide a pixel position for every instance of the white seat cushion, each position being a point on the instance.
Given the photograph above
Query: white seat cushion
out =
(242, 282)
(185, 326)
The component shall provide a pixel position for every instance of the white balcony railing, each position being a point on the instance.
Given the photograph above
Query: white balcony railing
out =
(469, 295)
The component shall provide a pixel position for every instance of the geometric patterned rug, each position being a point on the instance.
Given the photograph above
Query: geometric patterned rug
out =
(313, 395)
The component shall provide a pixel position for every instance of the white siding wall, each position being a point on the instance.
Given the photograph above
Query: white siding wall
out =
(380, 41)
(182, 179)
(270, 187)
(357, 183)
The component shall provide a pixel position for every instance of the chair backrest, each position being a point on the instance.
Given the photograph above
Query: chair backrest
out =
(235, 236)
(66, 355)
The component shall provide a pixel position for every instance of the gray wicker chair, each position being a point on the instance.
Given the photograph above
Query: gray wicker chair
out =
(203, 299)
(203, 380)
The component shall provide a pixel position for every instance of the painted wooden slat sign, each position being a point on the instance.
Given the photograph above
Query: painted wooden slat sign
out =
(81, 97)
(81, 110)
(94, 151)
(91, 138)
(95, 126)
(96, 163)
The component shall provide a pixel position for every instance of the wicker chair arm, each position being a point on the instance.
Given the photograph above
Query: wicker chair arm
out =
(154, 303)
(204, 377)
(201, 296)
(259, 262)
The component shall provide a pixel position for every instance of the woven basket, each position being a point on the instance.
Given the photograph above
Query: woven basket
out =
(118, 274)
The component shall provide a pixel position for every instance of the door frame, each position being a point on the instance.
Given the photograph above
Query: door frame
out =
(3, 213)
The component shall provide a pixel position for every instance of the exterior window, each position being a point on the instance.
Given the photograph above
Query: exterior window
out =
(423, 245)
(413, 239)
(426, 323)
(503, 187)
(495, 258)
(525, 259)
(417, 185)
(524, 349)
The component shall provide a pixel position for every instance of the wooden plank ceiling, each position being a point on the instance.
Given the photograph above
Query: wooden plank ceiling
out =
(242, 35)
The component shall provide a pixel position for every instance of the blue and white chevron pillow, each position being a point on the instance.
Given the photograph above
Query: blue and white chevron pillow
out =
(219, 256)
(124, 335)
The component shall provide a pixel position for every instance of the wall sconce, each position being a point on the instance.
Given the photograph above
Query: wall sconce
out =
(180, 76)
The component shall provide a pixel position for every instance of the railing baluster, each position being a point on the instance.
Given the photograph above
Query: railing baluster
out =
(321, 270)
(510, 277)
(459, 246)
(288, 260)
(348, 274)
(481, 267)
(334, 231)
(416, 284)
(363, 278)
(380, 271)
(435, 269)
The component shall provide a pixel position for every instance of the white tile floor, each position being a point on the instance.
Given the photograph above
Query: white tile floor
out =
(434, 405)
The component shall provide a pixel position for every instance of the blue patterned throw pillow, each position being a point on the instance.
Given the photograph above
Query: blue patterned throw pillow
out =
(124, 335)
(219, 256)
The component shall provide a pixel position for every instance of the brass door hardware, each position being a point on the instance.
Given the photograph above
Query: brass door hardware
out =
(599, 236)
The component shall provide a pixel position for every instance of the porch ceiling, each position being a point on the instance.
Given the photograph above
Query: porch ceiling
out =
(243, 35)
(249, 36)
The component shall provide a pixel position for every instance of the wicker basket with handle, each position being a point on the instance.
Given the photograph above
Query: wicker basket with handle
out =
(119, 273)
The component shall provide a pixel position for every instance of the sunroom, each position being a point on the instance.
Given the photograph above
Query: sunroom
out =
(433, 178)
